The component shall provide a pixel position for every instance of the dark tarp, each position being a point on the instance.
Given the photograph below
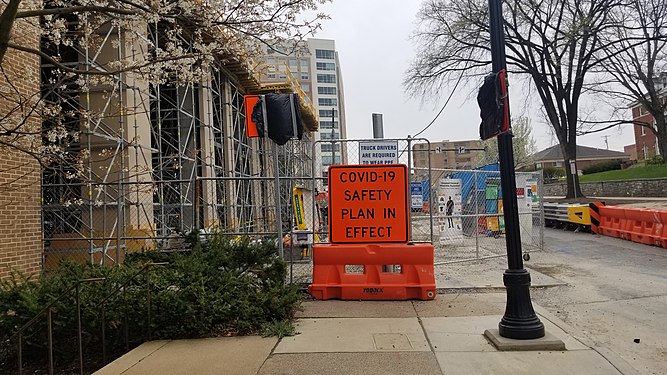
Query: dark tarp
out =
(279, 117)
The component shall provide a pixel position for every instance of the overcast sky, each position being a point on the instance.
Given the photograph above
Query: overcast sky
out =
(372, 38)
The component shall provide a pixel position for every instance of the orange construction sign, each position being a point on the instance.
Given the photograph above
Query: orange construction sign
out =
(368, 203)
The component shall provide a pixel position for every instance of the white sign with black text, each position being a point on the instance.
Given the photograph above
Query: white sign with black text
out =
(378, 152)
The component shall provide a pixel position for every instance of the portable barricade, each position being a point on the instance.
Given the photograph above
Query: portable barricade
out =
(612, 221)
(358, 271)
(595, 216)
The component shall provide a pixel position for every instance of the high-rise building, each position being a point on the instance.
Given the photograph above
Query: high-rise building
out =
(315, 65)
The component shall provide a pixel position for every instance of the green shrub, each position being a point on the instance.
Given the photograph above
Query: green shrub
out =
(602, 167)
(655, 159)
(553, 173)
(226, 287)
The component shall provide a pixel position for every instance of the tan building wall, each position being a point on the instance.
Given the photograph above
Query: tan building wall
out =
(444, 155)
(20, 174)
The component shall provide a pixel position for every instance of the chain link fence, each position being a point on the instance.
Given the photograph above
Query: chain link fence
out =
(281, 194)
(468, 209)
(459, 210)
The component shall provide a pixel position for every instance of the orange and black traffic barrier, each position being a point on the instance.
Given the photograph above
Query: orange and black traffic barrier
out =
(595, 216)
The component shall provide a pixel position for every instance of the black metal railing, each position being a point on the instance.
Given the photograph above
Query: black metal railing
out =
(101, 307)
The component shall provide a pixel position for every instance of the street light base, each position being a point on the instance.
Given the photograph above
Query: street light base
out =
(520, 321)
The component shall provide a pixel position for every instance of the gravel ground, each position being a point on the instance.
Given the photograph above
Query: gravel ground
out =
(616, 293)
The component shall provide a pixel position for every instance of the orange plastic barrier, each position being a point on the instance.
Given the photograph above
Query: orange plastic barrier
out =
(612, 221)
(662, 228)
(639, 225)
(416, 279)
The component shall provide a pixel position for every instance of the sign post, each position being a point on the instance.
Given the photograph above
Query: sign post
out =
(368, 204)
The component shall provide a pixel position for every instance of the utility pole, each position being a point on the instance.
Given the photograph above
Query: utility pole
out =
(333, 132)
(378, 128)
(520, 320)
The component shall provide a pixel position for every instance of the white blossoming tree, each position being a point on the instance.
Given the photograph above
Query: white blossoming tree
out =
(191, 36)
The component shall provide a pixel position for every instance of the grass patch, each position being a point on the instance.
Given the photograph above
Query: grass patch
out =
(279, 329)
(649, 171)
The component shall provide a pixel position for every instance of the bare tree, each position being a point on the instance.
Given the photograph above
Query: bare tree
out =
(636, 67)
(553, 43)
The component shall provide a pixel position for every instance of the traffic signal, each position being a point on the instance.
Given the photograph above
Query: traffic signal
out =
(492, 101)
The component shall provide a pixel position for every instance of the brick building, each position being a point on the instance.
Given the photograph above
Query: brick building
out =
(646, 143)
(448, 154)
(20, 216)
(631, 150)
(586, 156)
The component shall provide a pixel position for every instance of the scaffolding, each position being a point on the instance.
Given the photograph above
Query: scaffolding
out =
(154, 160)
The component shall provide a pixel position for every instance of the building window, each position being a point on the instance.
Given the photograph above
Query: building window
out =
(326, 90)
(326, 113)
(326, 78)
(645, 152)
(538, 165)
(272, 75)
(328, 135)
(328, 147)
(325, 66)
(329, 124)
(642, 130)
(559, 164)
(642, 111)
(304, 64)
(304, 75)
(325, 54)
(328, 102)
(328, 160)
(305, 87)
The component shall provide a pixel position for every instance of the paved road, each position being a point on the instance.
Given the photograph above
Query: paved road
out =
(616, 293)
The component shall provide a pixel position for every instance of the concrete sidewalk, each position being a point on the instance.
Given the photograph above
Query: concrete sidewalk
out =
(444, 336)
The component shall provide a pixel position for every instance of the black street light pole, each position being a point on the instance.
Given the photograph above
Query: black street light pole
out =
(520, 320)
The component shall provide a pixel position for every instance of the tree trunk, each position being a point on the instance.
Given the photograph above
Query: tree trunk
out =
(660, 132)
(573, 187)
(662, 146)
(6, 23)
